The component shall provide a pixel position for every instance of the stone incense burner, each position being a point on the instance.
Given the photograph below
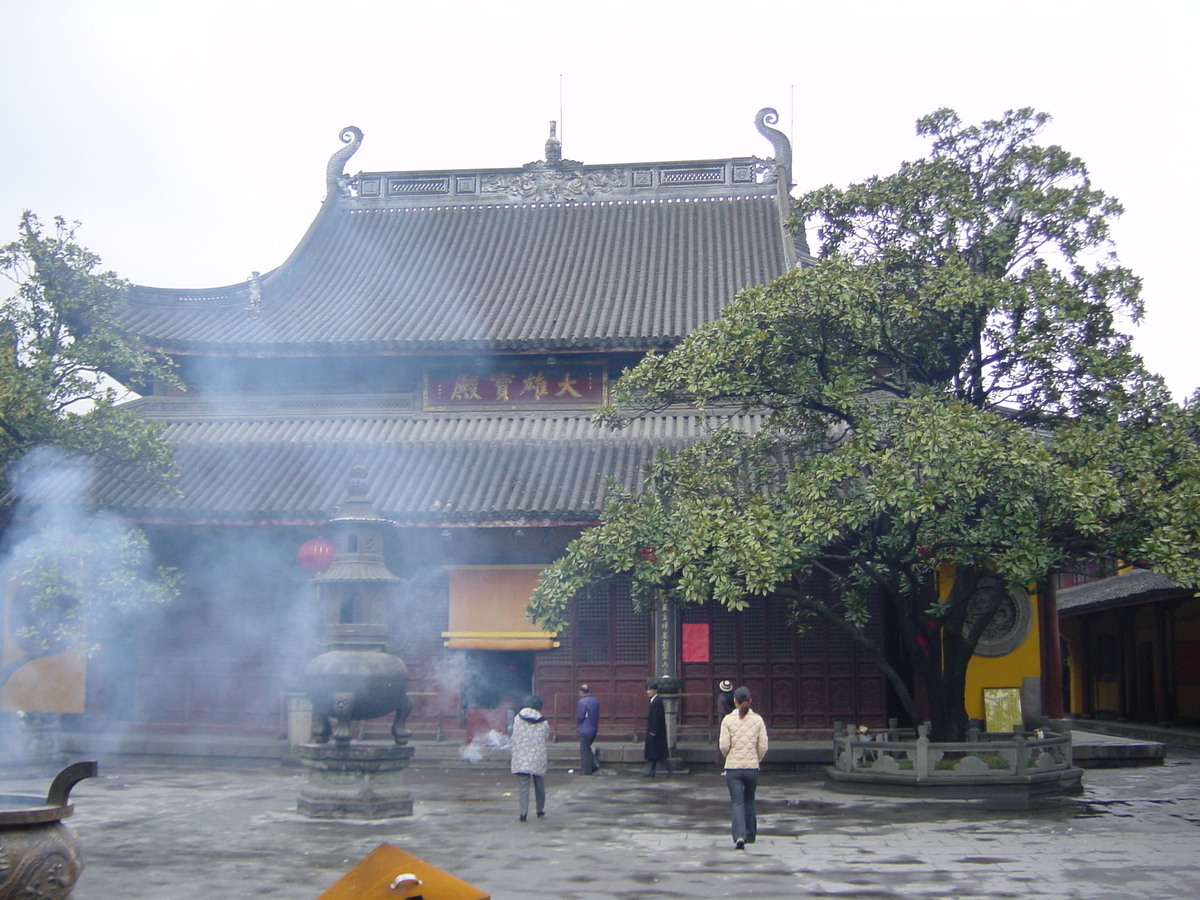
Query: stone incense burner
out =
(356, 678)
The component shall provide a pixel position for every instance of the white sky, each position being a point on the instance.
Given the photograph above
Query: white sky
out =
(190, 138)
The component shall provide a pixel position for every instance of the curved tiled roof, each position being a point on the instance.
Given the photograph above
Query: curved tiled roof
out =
(625, 257)
(548, 276)
(428, 471)
(554, 256)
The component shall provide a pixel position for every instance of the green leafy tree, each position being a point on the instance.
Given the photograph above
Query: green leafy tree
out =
(62, 344)
(61, 415)
(73, 577)
(951, 412)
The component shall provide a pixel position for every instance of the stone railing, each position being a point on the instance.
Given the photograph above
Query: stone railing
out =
(997, 755)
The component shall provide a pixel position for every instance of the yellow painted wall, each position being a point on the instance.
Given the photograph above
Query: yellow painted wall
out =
(1004, 671)
(1070, 631)
(53, 684)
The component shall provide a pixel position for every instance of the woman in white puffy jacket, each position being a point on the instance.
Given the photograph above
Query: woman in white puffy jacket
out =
(529, 734)
(743, 744)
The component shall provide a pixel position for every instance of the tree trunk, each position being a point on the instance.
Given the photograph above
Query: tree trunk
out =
(947, 712)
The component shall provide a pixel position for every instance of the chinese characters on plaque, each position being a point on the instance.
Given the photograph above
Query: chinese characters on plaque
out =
(665, 640)
(520, 385)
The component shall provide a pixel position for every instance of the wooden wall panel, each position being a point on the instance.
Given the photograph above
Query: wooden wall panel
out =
(804, 681)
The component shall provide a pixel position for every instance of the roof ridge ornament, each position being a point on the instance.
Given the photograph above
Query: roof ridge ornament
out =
(254, 304)
(553, 145)
(336, 180)
(765, 118)
(547, 183)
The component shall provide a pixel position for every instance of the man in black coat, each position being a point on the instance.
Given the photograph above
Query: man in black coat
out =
(657, 749)
(724, 707)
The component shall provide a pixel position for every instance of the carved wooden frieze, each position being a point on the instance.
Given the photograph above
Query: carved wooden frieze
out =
(549, 185)
(684, 175)
(430, 184)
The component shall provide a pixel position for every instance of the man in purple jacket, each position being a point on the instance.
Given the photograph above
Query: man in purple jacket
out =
(587, 723)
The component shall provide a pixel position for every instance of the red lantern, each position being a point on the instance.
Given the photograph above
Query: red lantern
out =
(316, 554)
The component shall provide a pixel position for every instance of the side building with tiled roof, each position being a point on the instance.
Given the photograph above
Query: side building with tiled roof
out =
(1132, 648)
(452, 332)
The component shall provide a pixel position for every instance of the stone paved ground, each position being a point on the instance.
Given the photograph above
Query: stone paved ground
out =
(166, 832)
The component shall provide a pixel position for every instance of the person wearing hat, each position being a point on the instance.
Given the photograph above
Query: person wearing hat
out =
(656, 749)
(724, 708)
(529, 758)
(724, 698)
(744, 743)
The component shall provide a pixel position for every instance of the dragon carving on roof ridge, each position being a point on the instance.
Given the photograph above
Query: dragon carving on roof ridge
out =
(336, 180)
(782, 147)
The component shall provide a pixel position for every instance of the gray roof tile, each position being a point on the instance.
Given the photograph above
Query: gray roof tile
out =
(1137, 585)
(578, 275)
(552, 276)
(422, 470)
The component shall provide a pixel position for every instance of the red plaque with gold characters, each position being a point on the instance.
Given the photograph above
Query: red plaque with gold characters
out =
(517, 385)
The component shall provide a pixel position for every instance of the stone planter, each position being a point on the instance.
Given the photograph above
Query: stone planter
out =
(38, 856)
(1004, 766)
(29, 740)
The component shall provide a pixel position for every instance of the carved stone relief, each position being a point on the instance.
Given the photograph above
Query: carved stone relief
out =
(1009, 626)
(548, 186)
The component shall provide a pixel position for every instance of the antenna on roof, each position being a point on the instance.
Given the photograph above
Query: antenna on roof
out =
(560, 101)
(792, 117)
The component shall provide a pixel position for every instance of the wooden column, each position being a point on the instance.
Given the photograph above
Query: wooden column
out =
(666, 640)
(1127, 663)
(1083, 668)
(666, 665)
(1052, 697)
(1163, 713)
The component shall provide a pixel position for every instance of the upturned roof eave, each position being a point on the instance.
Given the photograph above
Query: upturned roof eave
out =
(535, 519)
(293, 349)
(332, 204)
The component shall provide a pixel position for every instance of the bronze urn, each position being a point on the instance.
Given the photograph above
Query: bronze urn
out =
(38, 856)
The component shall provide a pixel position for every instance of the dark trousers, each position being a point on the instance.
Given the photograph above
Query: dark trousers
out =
(587, 759)
(742, 785)
(652, 766)
(539, 791)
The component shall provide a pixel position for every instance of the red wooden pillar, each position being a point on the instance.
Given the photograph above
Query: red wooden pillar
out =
(1085, 667)
(1163, 689)
(1052, 694)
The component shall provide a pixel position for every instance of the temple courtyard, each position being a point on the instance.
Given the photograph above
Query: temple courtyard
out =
(158, 831)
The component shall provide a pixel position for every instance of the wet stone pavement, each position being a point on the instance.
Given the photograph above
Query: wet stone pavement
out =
(165, 832)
